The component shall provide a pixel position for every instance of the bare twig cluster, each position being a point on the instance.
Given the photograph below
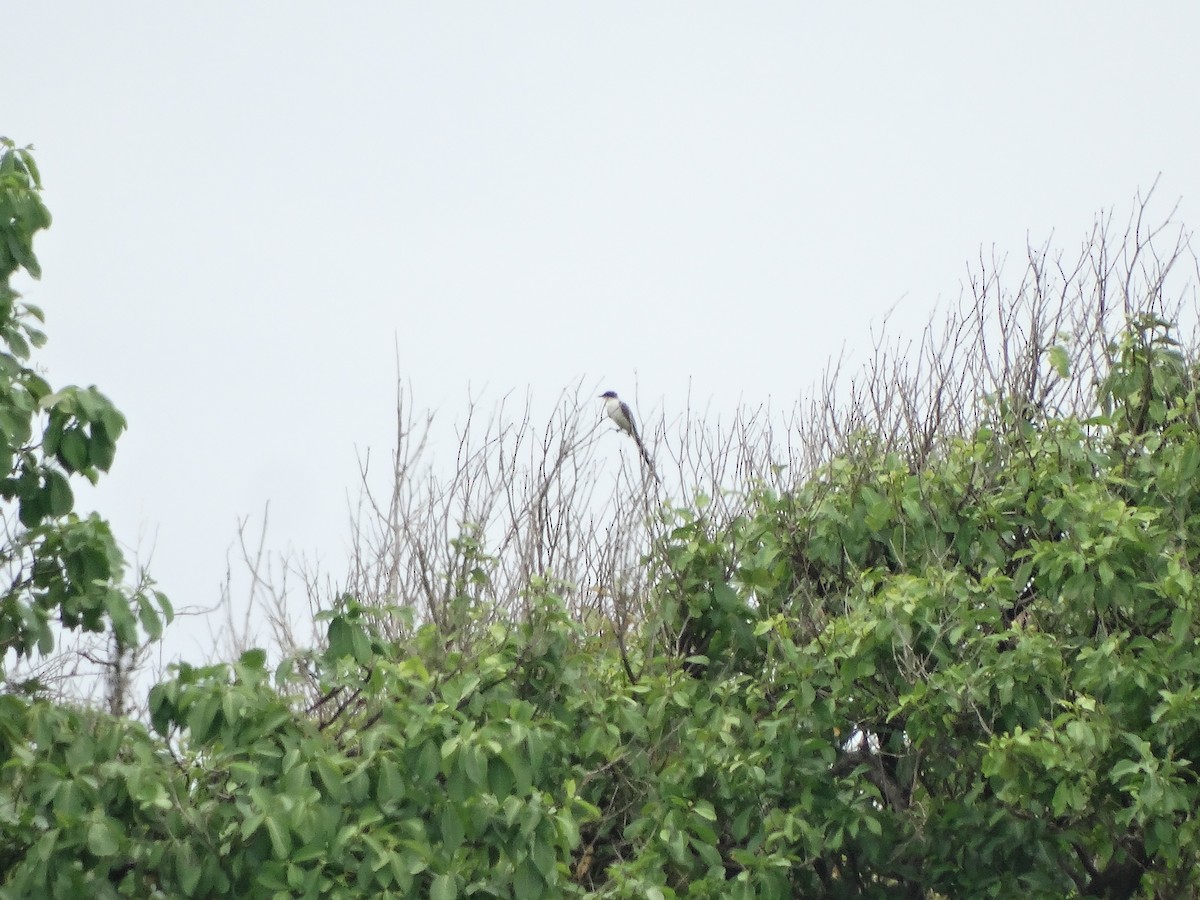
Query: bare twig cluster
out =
(529, 502)
(458, 536)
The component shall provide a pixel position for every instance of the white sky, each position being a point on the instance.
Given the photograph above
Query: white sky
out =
(254, 203)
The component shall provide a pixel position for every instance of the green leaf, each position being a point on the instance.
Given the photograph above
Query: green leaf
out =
(31, 508)
(475, 765)
(18, 345)
(443, 888)
(200, 717)
(389, 789)
(1124, 767)
(102, 449)
(103, 838)
(704, 809)
(339, 638)
(22, 254)
(187, 868)
(452, 828)
(73, 450)
(544, 858)
(281, 841)
(60, 499)
(255, 658)
(1059, 361)
(30, 164)
(527, 882)
(164, 605)
(148, 616)
(499, 777)
(360, 644)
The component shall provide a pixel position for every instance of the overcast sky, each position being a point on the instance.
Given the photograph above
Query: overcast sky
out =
(255, 204)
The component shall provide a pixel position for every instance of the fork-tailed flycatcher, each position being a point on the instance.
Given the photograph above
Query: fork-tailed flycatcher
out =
(618, 410)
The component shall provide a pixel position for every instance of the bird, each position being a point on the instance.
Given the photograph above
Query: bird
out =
(618, 410)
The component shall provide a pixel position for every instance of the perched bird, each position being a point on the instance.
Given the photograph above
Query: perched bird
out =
(618, 410)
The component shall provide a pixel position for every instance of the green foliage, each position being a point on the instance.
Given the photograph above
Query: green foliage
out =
(82, 794)
(60, 565)
(971, 676)
(422, 784)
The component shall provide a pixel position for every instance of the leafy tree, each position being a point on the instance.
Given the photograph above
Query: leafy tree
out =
(58, 565)
(58, 807)
(974, 677)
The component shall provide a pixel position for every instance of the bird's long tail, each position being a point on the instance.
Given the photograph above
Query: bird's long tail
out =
(647, 457)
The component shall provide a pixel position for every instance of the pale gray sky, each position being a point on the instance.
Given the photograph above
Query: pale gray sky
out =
(253, 202)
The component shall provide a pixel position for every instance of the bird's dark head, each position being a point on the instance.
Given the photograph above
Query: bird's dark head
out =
(608, 395)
